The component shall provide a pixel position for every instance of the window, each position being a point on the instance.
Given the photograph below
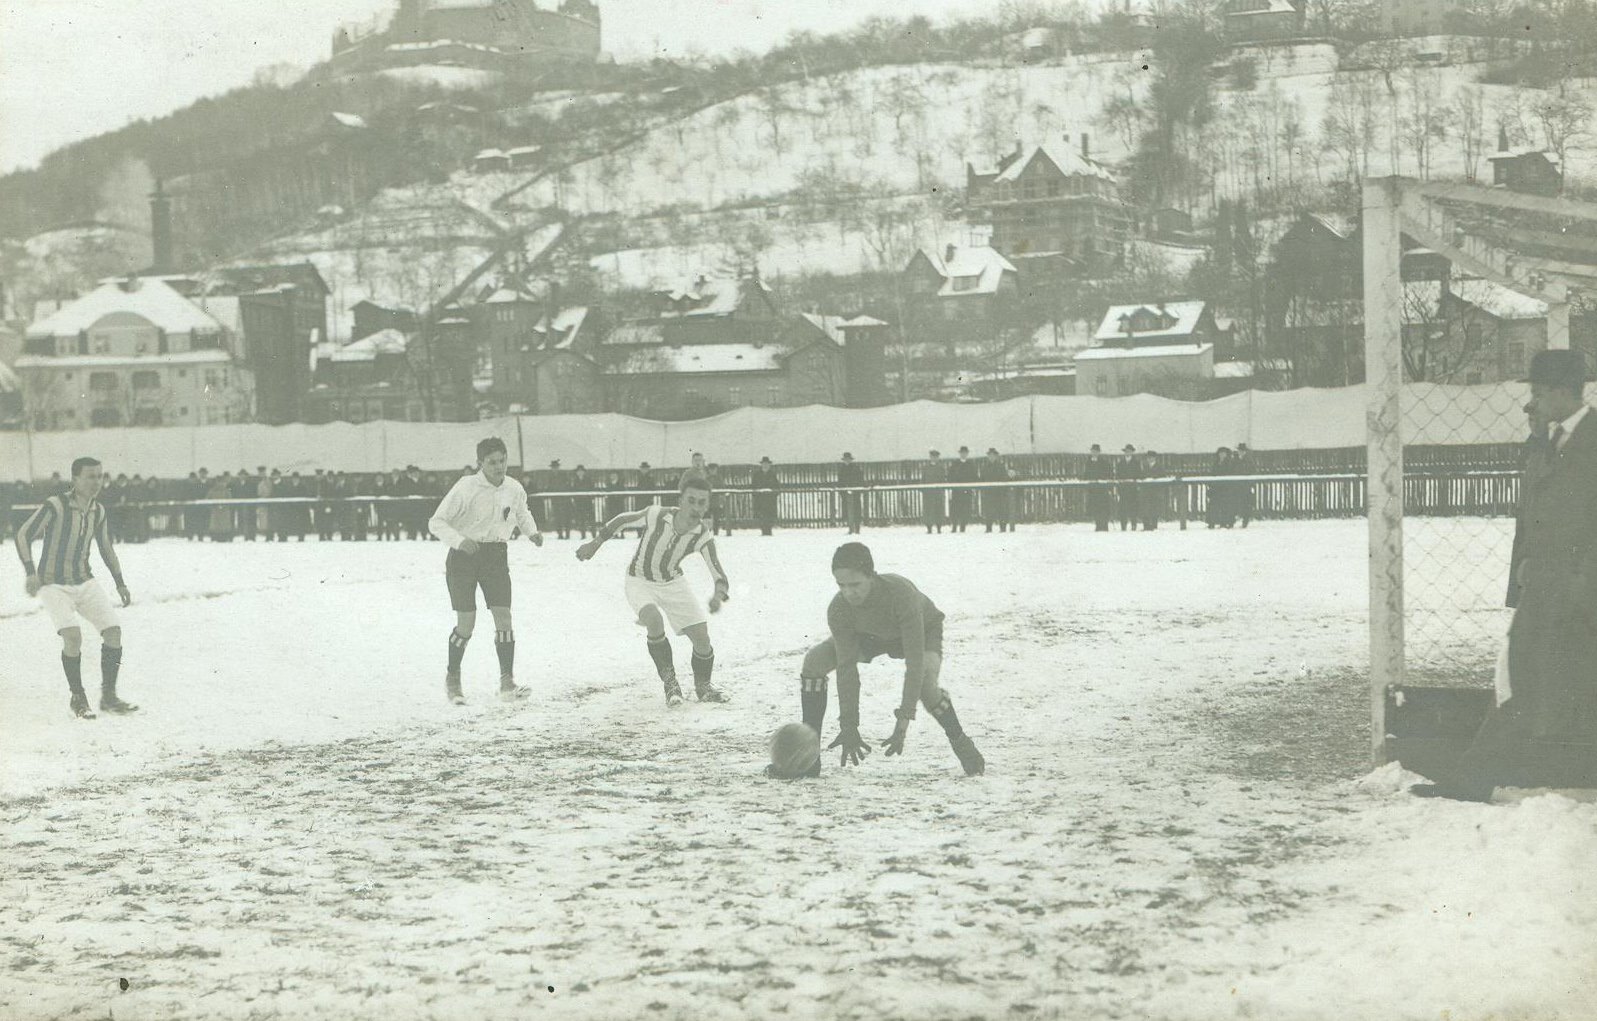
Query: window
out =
(735, 395)
(966, 283)
(773, 396)
(102, 381)
(1515, 351)
(215, 379)
(1100, 386)
(1053, 189)
(146, 379)
(99, 344)
(182, 374)
(103, 418)
(147, 416)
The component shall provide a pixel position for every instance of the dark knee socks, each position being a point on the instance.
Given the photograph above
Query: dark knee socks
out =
(457, 649)
(505, 647)
(660, 652)
(812, 701)
(944, 714)
(73, 665)
(703, 666)
(110, 664)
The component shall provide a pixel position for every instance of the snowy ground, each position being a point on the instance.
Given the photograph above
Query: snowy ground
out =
(1177, 822)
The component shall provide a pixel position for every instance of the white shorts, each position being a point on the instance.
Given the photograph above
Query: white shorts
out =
(676, 599)
(66, 603)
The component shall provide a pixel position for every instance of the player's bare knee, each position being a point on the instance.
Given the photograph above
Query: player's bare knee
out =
(465, 623)
(71, 641)
(699, 635)
(820, 660)
(501, 617)
(112, 636)
(649, 617)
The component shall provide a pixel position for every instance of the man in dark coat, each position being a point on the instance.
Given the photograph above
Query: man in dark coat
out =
(1127, 471)
(851, 480)
(934, 502)
(1533, 448)
(1242, 464)
(998, 502)
(962, 500)
(582, 506)
(1099, 497)
(559, 506)
(1552, 643)
(766, 486)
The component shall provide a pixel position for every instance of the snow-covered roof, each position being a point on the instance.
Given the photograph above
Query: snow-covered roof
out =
(224, 309)
(701, 358)
(1185, 319)
(366, 349)
(1514, 154)
(706, 296)
(567, 324)
(832, 326)
(504, 295)
(349, 120)
(1265, 7)
(525, 150)
(984, 263)
(492, 154)
(1422, 300)
(1335, 224)
(636, 333)
(1104, 354)
(861, 321)
(153, 300)
(1070, 163)
(203, 357)
(433, 44)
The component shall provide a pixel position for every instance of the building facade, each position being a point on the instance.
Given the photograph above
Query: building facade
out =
(1053, 200)
(134, 352)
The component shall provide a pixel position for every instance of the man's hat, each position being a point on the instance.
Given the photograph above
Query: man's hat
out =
(1560, 367)
(1128, 449)
(765, 460)
(555, 463)
(964, 449)
(993, 451)
(847, 456)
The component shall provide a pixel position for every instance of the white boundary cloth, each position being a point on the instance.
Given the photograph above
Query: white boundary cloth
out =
(66, 603)
(676, 599)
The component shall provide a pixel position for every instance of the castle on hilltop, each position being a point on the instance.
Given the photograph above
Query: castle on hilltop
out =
(492, 35)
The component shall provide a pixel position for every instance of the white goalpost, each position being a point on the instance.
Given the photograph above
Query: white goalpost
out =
(1541, 248)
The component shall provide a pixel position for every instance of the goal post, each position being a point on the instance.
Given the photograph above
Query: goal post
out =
(1436, 585)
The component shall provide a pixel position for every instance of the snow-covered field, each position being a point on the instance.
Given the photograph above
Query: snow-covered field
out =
(1178, 821)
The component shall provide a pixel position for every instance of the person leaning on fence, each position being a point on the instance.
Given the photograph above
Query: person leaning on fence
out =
(1128, 469)
(1552, 642)
(766, 486)
(997, 502)
(851, 480)
(934, 501)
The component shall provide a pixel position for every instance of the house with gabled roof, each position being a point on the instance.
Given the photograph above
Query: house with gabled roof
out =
(1053, 201)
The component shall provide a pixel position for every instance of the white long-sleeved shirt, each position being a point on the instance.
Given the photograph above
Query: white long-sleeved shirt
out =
(476, 509)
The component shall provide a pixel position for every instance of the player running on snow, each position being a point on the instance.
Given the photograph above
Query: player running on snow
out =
(873, 614)
(658, 591)
(476, 520)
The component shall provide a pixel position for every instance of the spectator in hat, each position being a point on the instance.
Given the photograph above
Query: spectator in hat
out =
(851, 482)
(1128, 469)
(1152, 495)
(582, 506)
(1242, 464)
(766, 486)
(1552, 642)
(1100, 496)
(559, 507)
(997, 502)
(961, 505)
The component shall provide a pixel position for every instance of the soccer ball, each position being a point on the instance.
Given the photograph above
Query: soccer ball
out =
(795, 751)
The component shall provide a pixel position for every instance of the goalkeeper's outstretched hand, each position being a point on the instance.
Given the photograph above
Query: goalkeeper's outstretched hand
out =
(855, 748)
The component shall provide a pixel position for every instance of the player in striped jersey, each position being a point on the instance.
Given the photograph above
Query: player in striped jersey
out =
(69, 523)
(658, 591)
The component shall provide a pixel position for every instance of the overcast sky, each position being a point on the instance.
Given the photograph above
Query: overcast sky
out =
(70, 69)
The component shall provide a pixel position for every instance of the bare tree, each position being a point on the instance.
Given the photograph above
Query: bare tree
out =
(1564, 119)
(1424, 121)
(1469, 114)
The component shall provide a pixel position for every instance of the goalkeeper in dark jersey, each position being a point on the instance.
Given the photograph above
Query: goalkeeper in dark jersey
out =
(871, 615)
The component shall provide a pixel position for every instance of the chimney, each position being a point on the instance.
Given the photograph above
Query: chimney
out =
(948, 254)
(161, 229)
(1086, 151)
(1502, 138)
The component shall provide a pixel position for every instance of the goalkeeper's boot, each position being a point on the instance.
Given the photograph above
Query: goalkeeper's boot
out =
(708, 692)
(80, 706)
(673, 690)
(969, 757)
(510, 691)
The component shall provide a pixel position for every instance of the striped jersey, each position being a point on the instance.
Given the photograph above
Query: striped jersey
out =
(68, 533)
(661, 549)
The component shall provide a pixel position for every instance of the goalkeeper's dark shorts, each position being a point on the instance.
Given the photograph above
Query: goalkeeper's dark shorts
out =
(870, 646)
(488, 569)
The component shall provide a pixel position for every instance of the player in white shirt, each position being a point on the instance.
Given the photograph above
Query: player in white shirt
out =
(658, 591)
(476, 519)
